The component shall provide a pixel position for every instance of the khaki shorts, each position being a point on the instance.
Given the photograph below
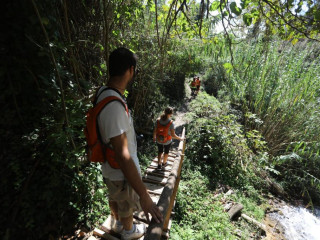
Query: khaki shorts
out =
(124, 195)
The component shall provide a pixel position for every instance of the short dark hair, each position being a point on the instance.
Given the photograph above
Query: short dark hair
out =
(120, 60)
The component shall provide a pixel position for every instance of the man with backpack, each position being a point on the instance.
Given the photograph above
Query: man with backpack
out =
(193, 86)
(198, 83)
(121, 170)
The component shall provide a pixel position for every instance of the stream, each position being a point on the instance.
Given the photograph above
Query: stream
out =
(299, 223)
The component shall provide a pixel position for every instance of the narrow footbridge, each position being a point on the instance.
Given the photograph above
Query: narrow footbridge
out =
(162, 186)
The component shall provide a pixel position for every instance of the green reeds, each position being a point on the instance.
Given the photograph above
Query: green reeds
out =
(280, 85)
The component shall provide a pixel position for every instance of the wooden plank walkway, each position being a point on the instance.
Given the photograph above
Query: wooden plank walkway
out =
(162, 186)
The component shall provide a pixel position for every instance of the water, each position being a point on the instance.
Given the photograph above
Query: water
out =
(299, 223)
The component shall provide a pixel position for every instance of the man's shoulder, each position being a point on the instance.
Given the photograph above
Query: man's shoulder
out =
(107, 92)
(113, 108)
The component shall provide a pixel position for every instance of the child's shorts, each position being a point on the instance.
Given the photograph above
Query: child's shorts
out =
(162, 147)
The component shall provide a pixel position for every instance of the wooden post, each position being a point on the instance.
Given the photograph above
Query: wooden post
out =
(167, 197)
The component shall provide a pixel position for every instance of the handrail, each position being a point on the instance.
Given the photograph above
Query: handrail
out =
(168, 196)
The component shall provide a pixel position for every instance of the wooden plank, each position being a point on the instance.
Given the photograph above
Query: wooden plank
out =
(154, 168)
(107, 226)
(105, 230)
(104, 235)
(169, 160)
(154, 187)
(157, 173)
(158, 179)
(146, 180)
(155, 193)
(155, 165)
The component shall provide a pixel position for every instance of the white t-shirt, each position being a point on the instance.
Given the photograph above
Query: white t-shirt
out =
(114, 121)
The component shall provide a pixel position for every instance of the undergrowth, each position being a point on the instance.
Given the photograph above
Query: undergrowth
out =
(218, 153)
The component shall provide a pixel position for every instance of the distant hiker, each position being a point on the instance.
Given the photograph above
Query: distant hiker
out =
(126, 190)
(163, 134)
(193, 86)
(198, 83)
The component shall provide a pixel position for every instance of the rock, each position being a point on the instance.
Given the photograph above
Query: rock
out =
(229, 193)
(227, 206)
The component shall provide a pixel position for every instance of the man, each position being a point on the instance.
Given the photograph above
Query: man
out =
(126, 189)
(193, 86)
(198, 83)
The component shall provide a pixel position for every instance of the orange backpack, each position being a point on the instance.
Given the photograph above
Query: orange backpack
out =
(97, 150)
(162, 132)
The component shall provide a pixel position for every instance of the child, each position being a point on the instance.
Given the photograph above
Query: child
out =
(163, 134)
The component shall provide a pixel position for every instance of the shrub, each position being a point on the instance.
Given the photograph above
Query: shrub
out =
(218, 142)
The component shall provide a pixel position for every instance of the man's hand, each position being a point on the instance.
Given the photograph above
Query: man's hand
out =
(148, 206)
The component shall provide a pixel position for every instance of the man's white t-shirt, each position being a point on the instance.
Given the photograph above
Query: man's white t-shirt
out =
(114, 121)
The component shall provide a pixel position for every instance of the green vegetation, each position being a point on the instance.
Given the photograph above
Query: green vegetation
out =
(218, 152)
(258, 120)
(275, 88)
(199, 212)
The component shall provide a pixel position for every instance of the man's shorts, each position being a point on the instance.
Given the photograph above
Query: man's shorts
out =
(124, 195)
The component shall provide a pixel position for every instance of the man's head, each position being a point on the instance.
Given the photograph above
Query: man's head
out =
(120, 60)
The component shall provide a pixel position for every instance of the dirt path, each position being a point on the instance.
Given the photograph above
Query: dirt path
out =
(180, 121)
(180, 116)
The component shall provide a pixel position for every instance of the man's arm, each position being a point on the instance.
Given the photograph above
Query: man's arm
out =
(128, 167)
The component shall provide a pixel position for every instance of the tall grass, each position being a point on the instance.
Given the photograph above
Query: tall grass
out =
(277, 87)
(281, 84)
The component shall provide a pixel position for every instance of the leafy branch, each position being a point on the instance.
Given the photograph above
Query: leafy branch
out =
(56, 70)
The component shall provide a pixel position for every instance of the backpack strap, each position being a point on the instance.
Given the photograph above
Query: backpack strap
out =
(98, 93)
(104, 102)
